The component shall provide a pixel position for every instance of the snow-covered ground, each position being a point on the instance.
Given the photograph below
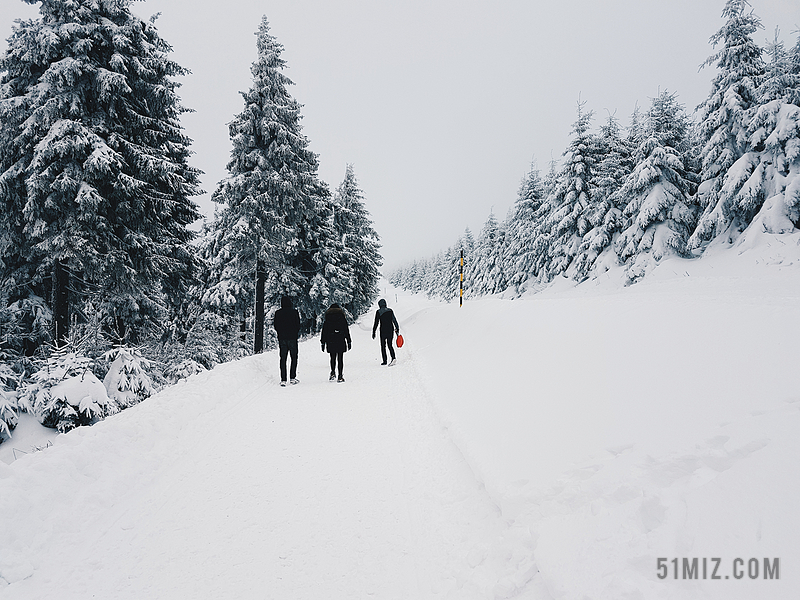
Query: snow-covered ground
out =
(554, 446)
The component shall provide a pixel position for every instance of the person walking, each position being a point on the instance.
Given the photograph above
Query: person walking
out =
(336, 337)
(287, 324)
(388, 324)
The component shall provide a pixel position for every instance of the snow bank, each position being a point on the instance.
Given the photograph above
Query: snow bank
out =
(622, 425)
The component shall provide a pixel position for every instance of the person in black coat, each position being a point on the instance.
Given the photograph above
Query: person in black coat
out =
(287, 325)
(336, 337)
(386, 319)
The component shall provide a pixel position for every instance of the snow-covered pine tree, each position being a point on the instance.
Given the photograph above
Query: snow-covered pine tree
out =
(635, 128)
(467, 244)
(275, 217)
(360, 258)
(522, 225)
(487, 275)
(605, 212)
(658, 218)
(431, 274)
(127, 380)
(316, 255)
(724, 123)
(570, 203)
(64, 393)
(765, 181)
(793, 96)
(96, 186)
(542, 233)
(779, 81)
(413, 276)
(443, 278)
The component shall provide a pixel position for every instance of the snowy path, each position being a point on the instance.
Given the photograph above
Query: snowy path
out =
(611, 426)
(238, 488)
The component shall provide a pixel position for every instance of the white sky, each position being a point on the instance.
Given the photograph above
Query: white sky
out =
(440, 104)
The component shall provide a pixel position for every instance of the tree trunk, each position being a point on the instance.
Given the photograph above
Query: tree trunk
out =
(60, 303)
(258, 334)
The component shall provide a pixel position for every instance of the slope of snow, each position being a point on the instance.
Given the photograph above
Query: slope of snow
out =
(546, 447)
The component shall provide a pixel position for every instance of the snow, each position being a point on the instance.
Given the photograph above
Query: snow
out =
(547, 447)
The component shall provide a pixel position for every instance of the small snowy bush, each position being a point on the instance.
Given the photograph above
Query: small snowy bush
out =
(127, 381)
(182, 370)
(64, 393)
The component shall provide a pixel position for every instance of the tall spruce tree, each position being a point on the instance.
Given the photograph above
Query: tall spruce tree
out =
(272, 231)
(542, 232)
(794, 71)
(724, 122)
(360, 247)
(95, 186)
(605, 212)
(522, 225)
(570, 202)
(658, 218)
(486, 273)
(765, 181)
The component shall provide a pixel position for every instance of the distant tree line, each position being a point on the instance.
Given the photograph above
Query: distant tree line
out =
(96, 199)
(666, 185)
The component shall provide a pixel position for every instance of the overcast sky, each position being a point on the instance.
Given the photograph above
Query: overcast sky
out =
(439, 104)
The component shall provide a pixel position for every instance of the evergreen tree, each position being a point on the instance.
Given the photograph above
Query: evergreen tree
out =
(434, 274)
(658, 219)
(725, 118)
(487, 274)
(605, 213)
(522, 226)
(275, 222)
(635, 128)
(468, 244)
(360, 256)
(793, 96)
(418, 274)
(542, 232)
(443, 276)
(764, 182)
(95, 187)
(779, 82)
(569, 206)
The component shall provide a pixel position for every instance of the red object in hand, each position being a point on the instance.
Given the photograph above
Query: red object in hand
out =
(399, 341)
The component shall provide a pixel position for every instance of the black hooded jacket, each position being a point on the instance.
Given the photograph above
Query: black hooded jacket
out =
(287, 320)
(335, 331)
(385, 317)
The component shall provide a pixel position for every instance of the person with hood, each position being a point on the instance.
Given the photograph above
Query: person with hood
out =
(336, 337)
(386, 319)
(287, 324)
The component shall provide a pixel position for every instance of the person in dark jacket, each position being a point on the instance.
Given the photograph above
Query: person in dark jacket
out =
(287, 325)
(388, 323)
(336, 337)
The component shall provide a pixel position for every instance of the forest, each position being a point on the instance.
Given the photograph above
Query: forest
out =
(106, 295)
(670, 183)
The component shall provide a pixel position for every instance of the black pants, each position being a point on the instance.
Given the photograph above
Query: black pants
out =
(337, 357)
(386, 340)
(288, 347)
